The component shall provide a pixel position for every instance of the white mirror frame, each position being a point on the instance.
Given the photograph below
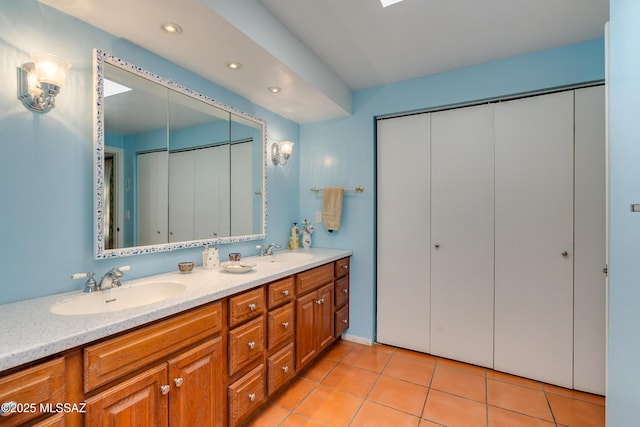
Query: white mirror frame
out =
(100, 58)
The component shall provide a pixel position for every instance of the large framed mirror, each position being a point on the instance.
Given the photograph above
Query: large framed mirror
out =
(173, 168)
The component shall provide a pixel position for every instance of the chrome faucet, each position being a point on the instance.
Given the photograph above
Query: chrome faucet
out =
(112, 277)
(269, 249)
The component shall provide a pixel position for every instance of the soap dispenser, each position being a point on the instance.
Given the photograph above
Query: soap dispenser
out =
(210, 258)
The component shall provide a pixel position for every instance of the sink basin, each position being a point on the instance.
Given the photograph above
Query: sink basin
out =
(119, 298)
(287, 257)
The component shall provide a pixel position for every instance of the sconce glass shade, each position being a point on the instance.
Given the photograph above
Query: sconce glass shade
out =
(50, 69)
(40, 81)
(280, 152)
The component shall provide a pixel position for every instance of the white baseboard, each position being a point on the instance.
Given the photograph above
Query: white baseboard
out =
(357, 339)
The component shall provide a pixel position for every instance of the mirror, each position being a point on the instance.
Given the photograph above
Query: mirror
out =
(173, 168)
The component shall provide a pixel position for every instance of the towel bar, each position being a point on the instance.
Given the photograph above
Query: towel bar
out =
(357, 189)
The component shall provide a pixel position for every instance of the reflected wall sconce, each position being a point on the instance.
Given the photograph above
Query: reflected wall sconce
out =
(41, 80)
(280, 152)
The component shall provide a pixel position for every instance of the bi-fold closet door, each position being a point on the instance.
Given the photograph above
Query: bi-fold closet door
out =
(478, 236)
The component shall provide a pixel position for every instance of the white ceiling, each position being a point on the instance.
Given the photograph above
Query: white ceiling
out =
(318, 51)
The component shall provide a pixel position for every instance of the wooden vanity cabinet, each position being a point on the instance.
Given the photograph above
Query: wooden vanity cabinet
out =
(314, 323)
(281, 323)
(183, 383)
(341, 321)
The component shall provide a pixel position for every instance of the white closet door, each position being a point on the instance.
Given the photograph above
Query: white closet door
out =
(181, 195)
(152, 198)
(590, 224)
(211, 211)
(242, 189)
(462, 234)
(534, 238)
(403, 237)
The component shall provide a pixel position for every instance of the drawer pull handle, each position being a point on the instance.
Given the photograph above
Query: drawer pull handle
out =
(178, 381)
(285, 324)
(8, 408)
(320, 301)
(345, 290)
(252, 345)
(285, 292)
(346, 267)
(165, 389)
(344, 321)
(252, 307)
(285, 369)
(252, 397)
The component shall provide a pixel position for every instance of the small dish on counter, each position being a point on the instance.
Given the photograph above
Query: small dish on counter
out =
(237, 267)
(186, 267)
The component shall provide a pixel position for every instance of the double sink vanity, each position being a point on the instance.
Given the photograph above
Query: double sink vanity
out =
(201, 348)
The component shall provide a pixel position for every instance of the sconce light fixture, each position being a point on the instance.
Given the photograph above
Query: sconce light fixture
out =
(280, 152)
(40, 81)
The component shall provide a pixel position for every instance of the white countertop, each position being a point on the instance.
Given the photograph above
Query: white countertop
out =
(30, 331)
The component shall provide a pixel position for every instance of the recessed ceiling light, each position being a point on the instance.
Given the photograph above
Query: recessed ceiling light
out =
(234, 65)
(171, 28)
(275, 89)
(386, 3)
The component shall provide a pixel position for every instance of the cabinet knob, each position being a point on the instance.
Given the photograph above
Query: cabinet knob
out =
(252, 307)
(285, 324)
(345, 267)
(178, 381)
(165, 388)
(345, 290)
(157, 231)
(7, 408)
(565, 253)
(285, 369)
(344, 321)
(285, 292)
(252, 396)
(252, 345)
(320, 301)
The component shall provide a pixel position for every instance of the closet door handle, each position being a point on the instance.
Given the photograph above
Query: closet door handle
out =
(564, 253)
(437, 245)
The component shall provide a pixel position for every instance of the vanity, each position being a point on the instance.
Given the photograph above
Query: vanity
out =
(212, 354)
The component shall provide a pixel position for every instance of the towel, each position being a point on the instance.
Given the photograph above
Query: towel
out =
(332, 208)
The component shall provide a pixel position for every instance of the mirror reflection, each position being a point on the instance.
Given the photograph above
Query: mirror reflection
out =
(178, 169)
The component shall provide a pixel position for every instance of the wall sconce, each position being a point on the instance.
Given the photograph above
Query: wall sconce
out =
(40, 81)
(280, 152)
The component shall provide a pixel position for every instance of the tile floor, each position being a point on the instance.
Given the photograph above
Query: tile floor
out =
(356, 385)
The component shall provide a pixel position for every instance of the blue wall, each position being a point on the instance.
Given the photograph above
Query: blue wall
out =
(46, 174)
(623, 392)
(342, 152)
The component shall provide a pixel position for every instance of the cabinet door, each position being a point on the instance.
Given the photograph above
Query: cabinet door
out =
(135, 402)
(197, 393)
(534, 238)
(462, 234)
(590, 227)
(403, 232)
(324, 316)
(306, 348)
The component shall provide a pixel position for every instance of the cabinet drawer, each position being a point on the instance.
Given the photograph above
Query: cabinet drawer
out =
(312, 279)
(111, 359)
(246, 343)
(280, 325)
(280, 368)
(281, 292)
(342, 320)
(56, 421)
(342, 291)
(246, 395)
(342, 267)
(43, 383)
(246, 306)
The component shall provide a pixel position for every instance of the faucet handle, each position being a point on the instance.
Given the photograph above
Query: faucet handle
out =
(124, 268)
(91, 285)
